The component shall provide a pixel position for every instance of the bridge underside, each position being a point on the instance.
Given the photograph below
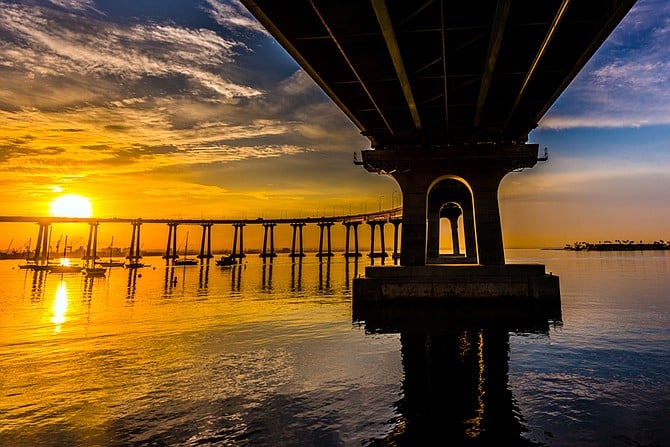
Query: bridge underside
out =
(447, 93)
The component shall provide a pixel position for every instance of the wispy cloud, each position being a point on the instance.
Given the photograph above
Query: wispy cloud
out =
(233, 16)
(627, 83)
(75, 4)
(52, 43)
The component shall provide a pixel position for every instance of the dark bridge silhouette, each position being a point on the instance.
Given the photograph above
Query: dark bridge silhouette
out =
(39, 258)
(447, 93)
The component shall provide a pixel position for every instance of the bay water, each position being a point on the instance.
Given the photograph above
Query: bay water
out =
(271, 353)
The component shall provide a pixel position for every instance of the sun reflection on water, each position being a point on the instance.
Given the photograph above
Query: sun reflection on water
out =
(59, 307)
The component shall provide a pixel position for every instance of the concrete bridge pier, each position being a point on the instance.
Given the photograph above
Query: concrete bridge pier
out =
(327, 226)
(42, 246)
(134, 255)
(396, 231)
(467, 177)
(171, 246)
(206, 241)
(297, 231)
(347, 238)
(382, 246)
(91, 253)
(238, 235)
(268, 228)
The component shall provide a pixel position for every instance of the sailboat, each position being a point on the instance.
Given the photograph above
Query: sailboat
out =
(64, 266)
(30, 263)
(111, 262)
(185, 260)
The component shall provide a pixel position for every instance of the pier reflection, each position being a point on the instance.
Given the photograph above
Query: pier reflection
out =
(266, 281)
(131, 286)
(296, 278)
(203, 277)
(456, 365)
(236, 277)
(324, 279)
(170, 280)
(37, 285)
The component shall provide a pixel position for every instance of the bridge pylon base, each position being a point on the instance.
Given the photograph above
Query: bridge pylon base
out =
(507, 285)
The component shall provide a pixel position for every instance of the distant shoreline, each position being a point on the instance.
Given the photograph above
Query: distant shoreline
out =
(617, 246)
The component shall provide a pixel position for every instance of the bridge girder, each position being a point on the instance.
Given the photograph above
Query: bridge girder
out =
(436, 73)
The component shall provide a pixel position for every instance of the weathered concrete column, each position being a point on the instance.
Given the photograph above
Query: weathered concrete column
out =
(327, 226)
(268, 228)
(297, 227)
(238, 235)
(433, 228)
(206, 241)
(134, 255)
(452, 212)
(470, 235)
(396, 224)
(414, 226)
(487, 219)
(347, 239)
(42, 246)
(171, 245)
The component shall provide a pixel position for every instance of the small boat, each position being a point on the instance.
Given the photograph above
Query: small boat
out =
(134, 265)
(111, 262)
(64, 265)
(226, 260)
(94, 271)
(63, 268)
(185, 260)
(30, 263)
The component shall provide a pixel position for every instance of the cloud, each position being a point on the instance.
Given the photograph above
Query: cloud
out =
(233, 16)
(48, 43)
(627, 82)
(75, 4)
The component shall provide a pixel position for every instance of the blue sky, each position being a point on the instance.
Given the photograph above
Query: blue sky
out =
(189, 108)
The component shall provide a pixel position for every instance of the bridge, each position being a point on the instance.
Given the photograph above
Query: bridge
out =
(447, 93)
(39, 259)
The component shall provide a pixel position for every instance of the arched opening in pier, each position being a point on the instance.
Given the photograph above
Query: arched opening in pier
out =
(451, 236)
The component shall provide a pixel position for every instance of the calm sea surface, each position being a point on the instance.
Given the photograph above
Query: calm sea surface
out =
(272, 355)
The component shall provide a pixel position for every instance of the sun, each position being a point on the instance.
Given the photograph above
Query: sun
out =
(71, 205)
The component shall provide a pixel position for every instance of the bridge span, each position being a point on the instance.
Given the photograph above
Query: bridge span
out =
(39, 258)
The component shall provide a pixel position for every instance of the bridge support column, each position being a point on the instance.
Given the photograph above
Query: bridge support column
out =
(91, 245)
(268, 228)
(396, 227)
(348, 226)
(297, 231)
(171, 246)
(238, 235)
(467, 177)
(327, 226)
(382, 246)
(206, 241)
(42, 246)
(134, 255)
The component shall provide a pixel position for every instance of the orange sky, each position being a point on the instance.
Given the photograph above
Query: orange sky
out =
(203, 115)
